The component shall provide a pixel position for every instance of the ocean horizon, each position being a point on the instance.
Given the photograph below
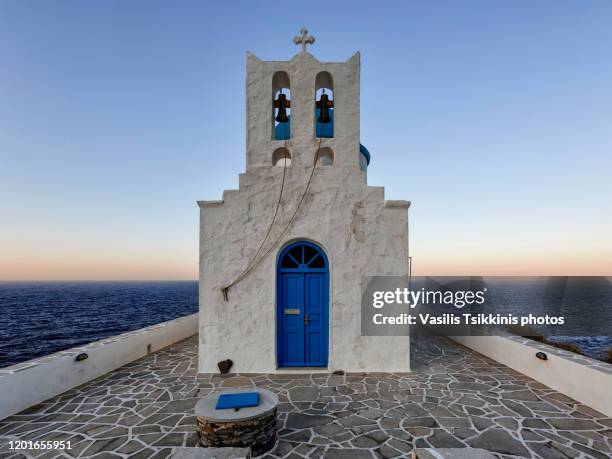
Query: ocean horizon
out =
(43, 317)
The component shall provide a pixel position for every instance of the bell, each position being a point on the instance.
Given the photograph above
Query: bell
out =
(324, 104)
(282, 104)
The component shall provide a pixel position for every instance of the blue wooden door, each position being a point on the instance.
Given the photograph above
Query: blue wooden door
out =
(293, 319)
(303, 306)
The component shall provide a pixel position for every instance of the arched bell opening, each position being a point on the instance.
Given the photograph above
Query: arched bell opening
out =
(324, 105)
(325, 157)
(281, 157)
(281, 106)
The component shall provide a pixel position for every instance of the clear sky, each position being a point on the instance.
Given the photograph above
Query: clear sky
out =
(493, 117)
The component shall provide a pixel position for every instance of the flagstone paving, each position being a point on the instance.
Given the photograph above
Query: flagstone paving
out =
(454, 398)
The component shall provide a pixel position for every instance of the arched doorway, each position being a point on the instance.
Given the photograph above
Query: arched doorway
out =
(302, 299)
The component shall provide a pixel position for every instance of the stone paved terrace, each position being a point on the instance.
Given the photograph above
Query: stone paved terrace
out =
(453, 398)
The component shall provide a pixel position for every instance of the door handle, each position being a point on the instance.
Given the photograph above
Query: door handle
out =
(306, 320)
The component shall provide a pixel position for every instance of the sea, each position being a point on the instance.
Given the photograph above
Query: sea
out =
(39, 318)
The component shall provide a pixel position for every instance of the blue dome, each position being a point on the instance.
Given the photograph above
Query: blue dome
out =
(364, 151)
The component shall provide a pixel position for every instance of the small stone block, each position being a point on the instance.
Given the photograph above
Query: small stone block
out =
(210, 453)
(453, 453)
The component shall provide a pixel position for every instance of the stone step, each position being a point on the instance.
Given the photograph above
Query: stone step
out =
(452, 453)
(210, 453)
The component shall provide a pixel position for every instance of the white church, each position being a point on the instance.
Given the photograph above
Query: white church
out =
(282, 257)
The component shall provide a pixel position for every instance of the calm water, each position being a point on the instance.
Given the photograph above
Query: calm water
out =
(46, 317)
(584, 301)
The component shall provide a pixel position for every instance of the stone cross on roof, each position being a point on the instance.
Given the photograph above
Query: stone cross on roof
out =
(303, 39)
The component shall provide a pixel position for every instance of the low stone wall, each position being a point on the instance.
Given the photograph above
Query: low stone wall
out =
(258, 433)
(581, 378)
(28, 383)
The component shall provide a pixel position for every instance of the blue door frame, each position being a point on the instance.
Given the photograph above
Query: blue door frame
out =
(302, 301)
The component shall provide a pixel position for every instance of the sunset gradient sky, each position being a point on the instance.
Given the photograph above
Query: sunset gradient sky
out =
(494, 118)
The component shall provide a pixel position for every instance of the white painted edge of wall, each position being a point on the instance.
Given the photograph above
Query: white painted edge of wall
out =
(29, 383)
(586, 380)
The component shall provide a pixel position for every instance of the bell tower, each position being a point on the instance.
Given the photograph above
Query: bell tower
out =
(282, 257)
(303, 106)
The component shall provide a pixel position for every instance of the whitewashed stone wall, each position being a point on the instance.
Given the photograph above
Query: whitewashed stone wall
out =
(361, 233)
(577, 376)
(28, 383)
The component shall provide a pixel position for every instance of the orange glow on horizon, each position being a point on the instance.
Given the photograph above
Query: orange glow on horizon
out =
(167, 266)
(116, 268)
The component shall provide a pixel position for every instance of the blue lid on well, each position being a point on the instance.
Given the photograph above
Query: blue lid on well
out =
(239, 400)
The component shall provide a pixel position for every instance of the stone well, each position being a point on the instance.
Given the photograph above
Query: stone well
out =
(253, 427)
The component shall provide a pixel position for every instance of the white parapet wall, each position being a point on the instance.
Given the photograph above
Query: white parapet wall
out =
(29, 383)
(581, 378)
